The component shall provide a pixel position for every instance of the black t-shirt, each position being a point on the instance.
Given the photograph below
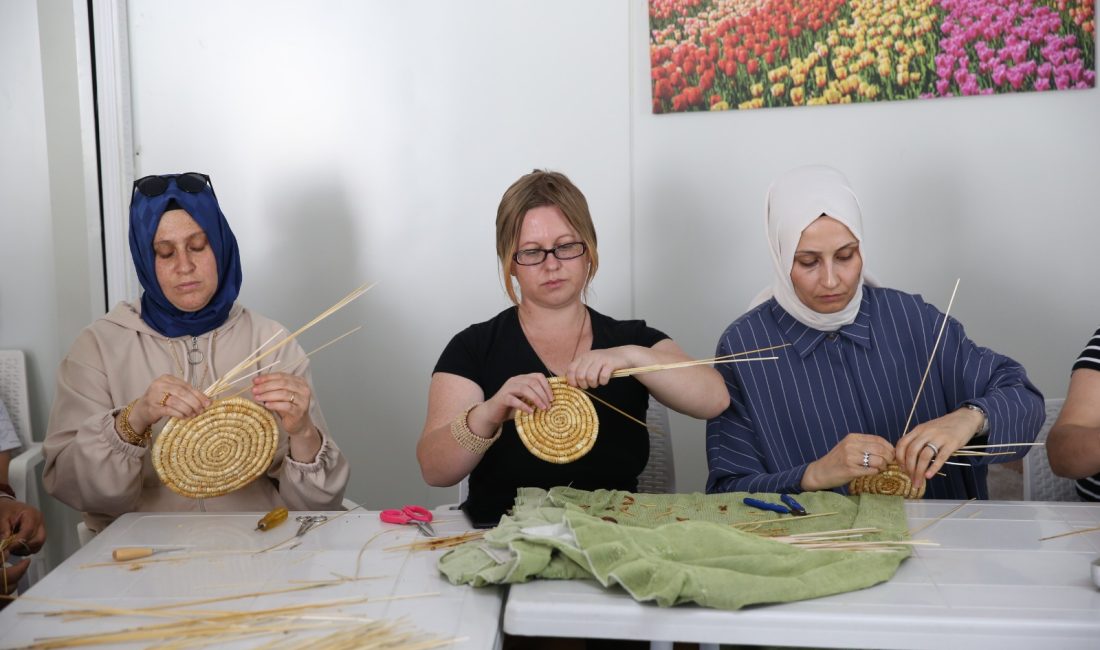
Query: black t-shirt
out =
(491, 353)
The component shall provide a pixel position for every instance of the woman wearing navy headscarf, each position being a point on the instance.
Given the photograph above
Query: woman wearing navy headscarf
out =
(145, 362)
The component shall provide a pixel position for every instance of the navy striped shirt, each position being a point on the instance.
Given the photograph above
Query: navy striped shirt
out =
(1089, 488)
(785, 414)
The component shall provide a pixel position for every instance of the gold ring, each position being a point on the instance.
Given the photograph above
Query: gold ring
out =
(293, 397)
(164, 400)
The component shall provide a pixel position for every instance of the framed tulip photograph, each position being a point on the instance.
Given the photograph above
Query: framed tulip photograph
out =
(738, 54)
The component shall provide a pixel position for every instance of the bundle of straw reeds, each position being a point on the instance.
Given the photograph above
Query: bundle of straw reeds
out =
(234, 441)
(568, 429)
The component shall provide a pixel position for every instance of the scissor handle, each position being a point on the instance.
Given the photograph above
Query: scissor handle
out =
(418, 513)
(764, 505)
(394, 516)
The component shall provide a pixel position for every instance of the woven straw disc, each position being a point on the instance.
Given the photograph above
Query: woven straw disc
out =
(564, 432)
(225, 448)
(892, 481)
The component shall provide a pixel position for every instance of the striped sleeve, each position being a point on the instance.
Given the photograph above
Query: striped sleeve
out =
(1090, 356)
(1089, 488)
(737, 448)
(972, 374)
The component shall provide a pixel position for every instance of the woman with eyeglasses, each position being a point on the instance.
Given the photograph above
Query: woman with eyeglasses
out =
(834, 407)
(150, 360)
(546, 245)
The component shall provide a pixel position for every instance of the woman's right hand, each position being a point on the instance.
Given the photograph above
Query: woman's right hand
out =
(167, 397)
(844, 462)
(522, 392)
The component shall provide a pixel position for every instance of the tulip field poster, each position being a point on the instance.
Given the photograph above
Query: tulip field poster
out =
(739, 54)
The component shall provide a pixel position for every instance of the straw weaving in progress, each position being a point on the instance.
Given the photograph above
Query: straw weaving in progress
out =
(228, 446)
(564, 432)
(891, 482)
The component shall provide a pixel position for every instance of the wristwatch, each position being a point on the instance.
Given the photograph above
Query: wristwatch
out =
(984, 428)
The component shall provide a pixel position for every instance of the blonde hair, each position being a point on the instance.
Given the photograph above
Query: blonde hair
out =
(537, 189)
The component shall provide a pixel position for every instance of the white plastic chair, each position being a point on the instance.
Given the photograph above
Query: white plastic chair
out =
(659, 475)
(22, 472)
(84, 534)
(1040, 483)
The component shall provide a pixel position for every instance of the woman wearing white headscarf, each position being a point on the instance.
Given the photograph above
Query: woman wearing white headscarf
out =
(833, 407)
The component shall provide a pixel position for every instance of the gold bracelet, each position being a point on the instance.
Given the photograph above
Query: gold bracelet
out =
(128, 433)
(468, 440)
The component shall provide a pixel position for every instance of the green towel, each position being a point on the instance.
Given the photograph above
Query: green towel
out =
(678, 548)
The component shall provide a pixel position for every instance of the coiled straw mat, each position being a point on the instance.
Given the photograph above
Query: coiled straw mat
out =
(564, 432)
(221, 450)
(891, 482)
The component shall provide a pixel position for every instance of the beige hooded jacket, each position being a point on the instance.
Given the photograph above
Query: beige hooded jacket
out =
(113, 361)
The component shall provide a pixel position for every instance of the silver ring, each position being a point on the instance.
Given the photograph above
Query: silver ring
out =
(866, 459)
(934, 448)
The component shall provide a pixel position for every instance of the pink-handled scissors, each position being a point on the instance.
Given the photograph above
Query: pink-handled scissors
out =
(410, 515)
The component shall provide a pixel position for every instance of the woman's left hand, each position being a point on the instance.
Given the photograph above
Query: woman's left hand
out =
(594, 368)
(25, 524)
(288, 396)
(922, 452)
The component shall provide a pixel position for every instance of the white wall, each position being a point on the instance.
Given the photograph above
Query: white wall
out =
(357, 141)
(372, 142)
(51, 279)
(1003, 192)
(27, 284)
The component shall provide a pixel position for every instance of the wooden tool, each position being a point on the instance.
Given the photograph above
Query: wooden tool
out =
(129, 553)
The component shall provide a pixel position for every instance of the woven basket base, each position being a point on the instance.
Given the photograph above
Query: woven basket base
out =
(564, 432)
(891, 481)
(228, 446)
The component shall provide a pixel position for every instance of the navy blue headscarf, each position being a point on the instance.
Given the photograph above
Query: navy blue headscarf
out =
(156, 310)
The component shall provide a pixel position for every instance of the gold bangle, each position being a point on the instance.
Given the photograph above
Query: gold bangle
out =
(468, 440)
(128, 433)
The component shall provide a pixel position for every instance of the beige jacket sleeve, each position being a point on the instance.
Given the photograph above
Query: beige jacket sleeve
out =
(88, 467)
(318, 485)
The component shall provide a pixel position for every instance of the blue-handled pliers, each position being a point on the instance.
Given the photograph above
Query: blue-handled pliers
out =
(792, 508)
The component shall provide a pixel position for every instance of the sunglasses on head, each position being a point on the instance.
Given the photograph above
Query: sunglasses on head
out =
(190, 182)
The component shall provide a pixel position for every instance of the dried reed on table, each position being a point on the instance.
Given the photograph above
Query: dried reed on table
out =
(310, 530)
(940, 518)
(1072, 532)
(848, 540)
(219, 627)
(437, 543)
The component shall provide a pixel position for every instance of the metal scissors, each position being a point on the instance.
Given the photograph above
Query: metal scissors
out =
(417, 515)
(307, 522)
(792, 508)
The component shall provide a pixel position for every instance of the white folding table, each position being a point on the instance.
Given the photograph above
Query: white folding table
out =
(989, 584)
(436, 607)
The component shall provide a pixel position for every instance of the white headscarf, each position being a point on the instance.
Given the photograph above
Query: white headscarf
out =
(794, 201)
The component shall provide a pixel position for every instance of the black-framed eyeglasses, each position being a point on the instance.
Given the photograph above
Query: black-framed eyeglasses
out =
(534, 256)
(190, 182)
